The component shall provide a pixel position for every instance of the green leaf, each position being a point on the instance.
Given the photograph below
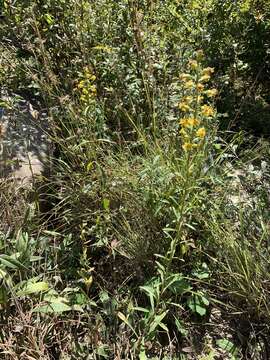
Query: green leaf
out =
(80, 299)
(157, 321)
(3, 295)
(142, 355)
(102, 351)
(228, 346)
(55, 298)
(125, 320)
(178, 285)
(36, 258)
(149, 290)
(3, 274)
(204, 300)
(48, 18)
(137, 308)
(89, 166)
(106, 204)
(180, 327)
(164, 327)
(10, 262)
(202, 273)
(104, 296)
(198, 309)
(197, 304)
(55, 307)
(33, 288)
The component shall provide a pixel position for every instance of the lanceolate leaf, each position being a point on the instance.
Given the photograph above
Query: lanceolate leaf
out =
(33, 288)
(10, 262)
(157, 322)
(55, 307)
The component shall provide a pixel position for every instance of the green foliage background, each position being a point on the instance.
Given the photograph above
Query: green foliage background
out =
(131, 246)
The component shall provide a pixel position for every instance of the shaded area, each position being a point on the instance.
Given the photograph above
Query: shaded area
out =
(24, 146)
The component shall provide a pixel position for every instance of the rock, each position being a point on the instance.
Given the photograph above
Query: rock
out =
(25, 148)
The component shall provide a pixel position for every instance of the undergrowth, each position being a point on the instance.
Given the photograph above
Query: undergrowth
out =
(148, 238)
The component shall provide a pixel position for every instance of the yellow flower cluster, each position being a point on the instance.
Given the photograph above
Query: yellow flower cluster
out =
(207, 111)
(200, 87)
(193, 64)
(201, 132)
(184, 106)
(189, 84)
(184, 77)
(189, 146)
(189, 122)
(208, 71)
(193, 125)
(86, 87)
(211, 93)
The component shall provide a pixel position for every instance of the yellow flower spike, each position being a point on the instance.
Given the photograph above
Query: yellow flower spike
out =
(211, 93)
(207, 110)
(200, 55)
(80, 84)
(193, 64)
(88, 282)
(184, 77)
(184, 122)
(183, 107)
(93, 88)
(200, 87)
(201, 132)
(183, 133)
(200, 98)
(193, 122)
(188, 99)
(189, 84)
(187, 146)
(208, 71)
(205, 78)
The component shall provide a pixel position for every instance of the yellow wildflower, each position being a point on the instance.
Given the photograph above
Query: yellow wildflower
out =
(211, 93)
(183, 107)
(200, 55)
(208, 71)
(200, 98)
(207, 110)
(189, 84)
(90, 77)
(193, 122)
(188, 99)
(187, 146)
(184, 77)
(183, 133)
(193, 64)
(93, 89)
(205, 78)
(201, 132)
(184, 122)
(80, 84)
(200, 87)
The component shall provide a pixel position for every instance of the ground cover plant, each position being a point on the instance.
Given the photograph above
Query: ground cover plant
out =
(148, 237)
